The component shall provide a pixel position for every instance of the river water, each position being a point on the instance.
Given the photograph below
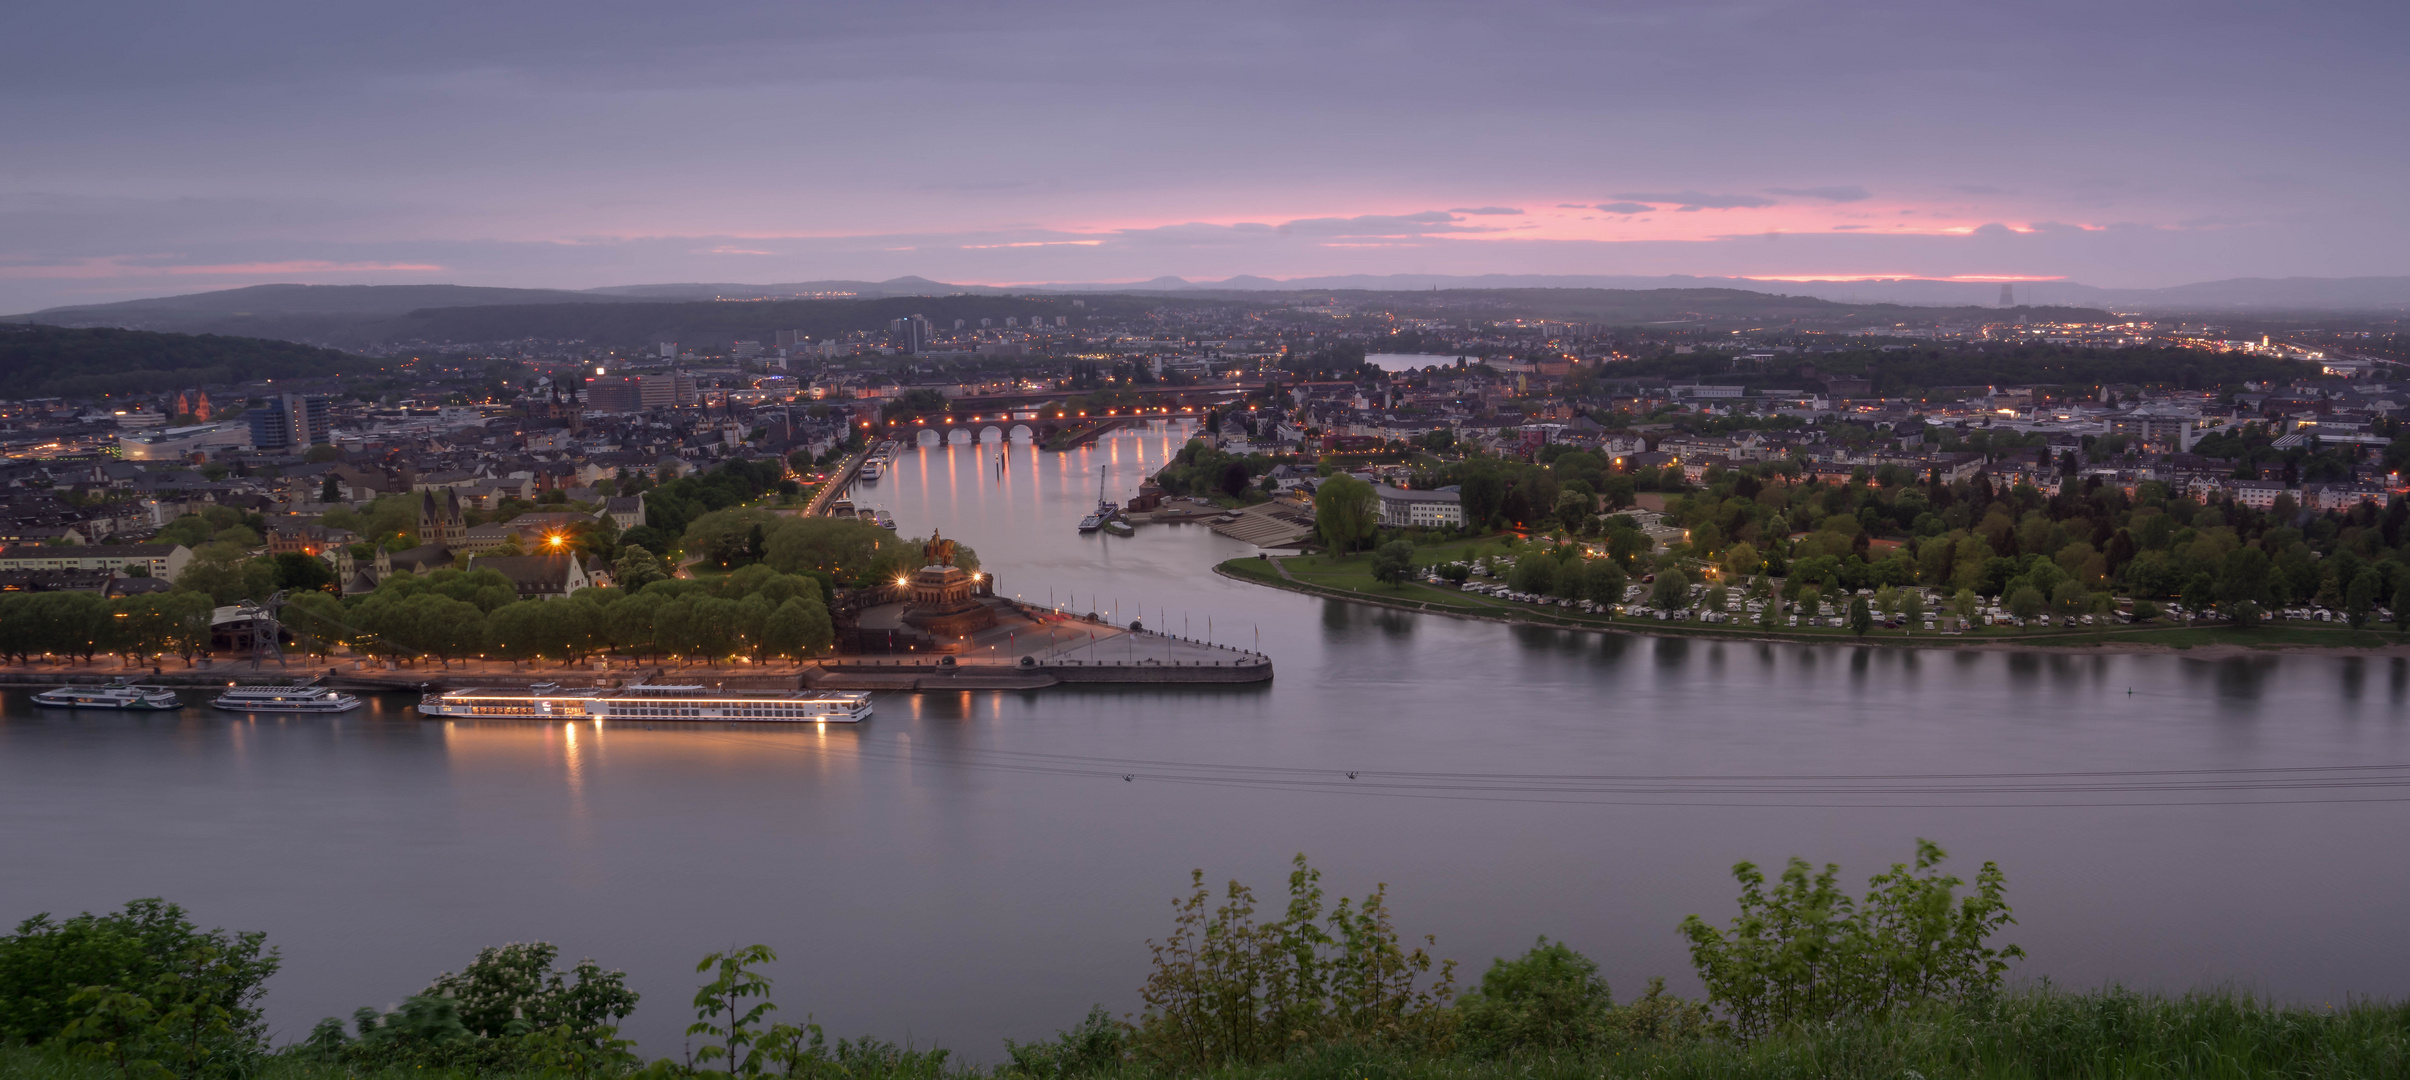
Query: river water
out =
(970, 867)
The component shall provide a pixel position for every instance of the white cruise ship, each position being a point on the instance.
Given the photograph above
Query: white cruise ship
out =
(117, 695)
(308, 697)
(662, 702)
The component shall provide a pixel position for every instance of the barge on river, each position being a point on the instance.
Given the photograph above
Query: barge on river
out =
(650, 702)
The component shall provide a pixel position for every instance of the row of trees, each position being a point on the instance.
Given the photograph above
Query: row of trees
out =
(2085, 539)
(756, 613)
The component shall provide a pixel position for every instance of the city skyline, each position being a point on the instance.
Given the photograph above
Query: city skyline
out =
(999, 145)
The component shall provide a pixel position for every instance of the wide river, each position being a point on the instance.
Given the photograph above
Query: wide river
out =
(966, 868)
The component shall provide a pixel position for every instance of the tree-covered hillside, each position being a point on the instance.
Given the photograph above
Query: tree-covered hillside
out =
(45, 361)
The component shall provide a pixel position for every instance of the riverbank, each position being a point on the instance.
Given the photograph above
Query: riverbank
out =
(1068, 652)
(2204, 642)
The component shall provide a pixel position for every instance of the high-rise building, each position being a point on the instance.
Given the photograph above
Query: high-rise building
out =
(669, 350)
(912, 332)
(614, 394)
(268, 431)
(309, 418)
(289, 421)
(668, 390)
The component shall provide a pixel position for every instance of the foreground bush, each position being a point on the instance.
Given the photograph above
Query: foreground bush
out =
(2039, 1034)
(1808, 982)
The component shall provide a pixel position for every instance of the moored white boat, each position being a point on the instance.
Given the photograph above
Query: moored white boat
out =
(665, 703)
(120, 695)
(308, 697)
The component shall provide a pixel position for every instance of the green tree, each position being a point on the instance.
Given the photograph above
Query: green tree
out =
(439, 626)
(1574, 509)
(2401, 606)
(2199, 594)
(2360, 598)
(797, 628)
(1534, 573)
(2026, 602)
(1550, 998)
(1966, 605)
(1742, 559)
(2244, 585)
(195, 993)
(1860, 618)
(1603, 582)
(721, 1012)
(2069, 597)
(515, 631)
(1483, 496)
(1226, 989)
(1346, 513)
(1809, 953)
(1671, 591)
(730, 537)
(518, 982)
(1393, 563)
(298, 572)
(636, 568)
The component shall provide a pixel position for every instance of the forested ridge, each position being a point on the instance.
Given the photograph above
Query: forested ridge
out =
(55, 361)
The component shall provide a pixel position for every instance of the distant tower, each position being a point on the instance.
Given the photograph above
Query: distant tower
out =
(2008, 295)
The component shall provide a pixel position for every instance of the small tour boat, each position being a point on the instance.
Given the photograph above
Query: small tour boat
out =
(308, 697)
(117, 695)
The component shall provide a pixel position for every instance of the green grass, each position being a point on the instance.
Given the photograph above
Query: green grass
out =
(2039, 1034)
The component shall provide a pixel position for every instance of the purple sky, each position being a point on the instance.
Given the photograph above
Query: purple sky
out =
(151, 148)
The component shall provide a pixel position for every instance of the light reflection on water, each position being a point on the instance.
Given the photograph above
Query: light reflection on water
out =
(972, 866)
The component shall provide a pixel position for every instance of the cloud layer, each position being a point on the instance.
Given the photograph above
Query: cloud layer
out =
(547, 143)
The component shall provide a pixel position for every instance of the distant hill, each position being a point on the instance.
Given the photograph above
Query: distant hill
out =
(58, 361)
(635, 323)
(639, 325)
(313, 313)
(2304, 294)
(797, 290)
(635, 316)
(2371, 294)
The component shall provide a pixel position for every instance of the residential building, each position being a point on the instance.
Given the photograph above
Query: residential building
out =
(158, 560)
(538, 577)
(1403, 508)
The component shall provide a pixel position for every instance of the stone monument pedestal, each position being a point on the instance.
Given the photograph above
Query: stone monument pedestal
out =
(944, 603)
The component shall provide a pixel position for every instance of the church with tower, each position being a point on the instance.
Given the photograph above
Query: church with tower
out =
(442, 530)
(441, 523)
